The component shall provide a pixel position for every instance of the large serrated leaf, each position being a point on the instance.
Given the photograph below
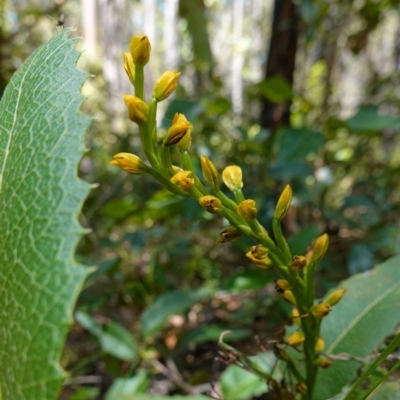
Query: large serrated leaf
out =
(41, 143)
(368, 313)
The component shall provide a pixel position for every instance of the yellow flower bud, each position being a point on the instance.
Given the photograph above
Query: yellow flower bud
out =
(320, 247)
(186, 141)
(179, 128)
(247, 209)
(296, 317)
(298, 262)
(296, 339)
(281, 285)
(335, 296)
(288, 296)
(129, 67)
(211, 204)
(140, 50)
(183, 180)
(210, 172)
(320, 345)
(264, 262)
(229, 234)
(129, 163)
(323, 362)
(283, 203)
(259, 251)
(165, 85)
(137, 109)
(301, 388)
(232, 177)
(320, 310)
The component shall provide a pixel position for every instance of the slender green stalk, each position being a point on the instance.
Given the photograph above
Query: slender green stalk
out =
(152, 127)
(226, 201)
(187, 165)
(166, 160)
(379, 360)
(280, 239)
(139, 82)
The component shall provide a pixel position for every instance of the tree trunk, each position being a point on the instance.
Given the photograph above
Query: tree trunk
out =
(281, 61)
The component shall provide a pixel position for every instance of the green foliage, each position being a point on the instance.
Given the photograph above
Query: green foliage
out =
(41, 143)
(367, 314)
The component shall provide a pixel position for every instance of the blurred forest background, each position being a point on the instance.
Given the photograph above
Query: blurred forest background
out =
(303, 92)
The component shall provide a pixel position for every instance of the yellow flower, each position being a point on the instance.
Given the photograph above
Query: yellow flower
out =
(296, 339)
(301, 388)
(264, 262)
(283, 204)
(288, 296)
(140, 50)
(232, 177)
(247, 209)
(165, 85)
(179, 128)
(320, 247)
(182, 179)
(259, 251)
(320, 345)
(281, 285)
(229, 234)
(335, 296)
(137, 109)
(129, 163)
(185, 142)
(320, 310)
(211, 204)
(129, 67)
(210, 172)
(298, 262)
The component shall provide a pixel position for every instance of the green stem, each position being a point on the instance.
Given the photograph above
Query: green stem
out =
(382, 357)
(166, 160)
(147, 146)
(226, 201)
(280, 240)
(139, 82)
(152, 127)
(187, 165)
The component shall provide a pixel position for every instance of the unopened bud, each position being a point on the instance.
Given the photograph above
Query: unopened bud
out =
(210, 172)
(320, 345)
(298, 262)
(185, 142)
(323, 362)
(283, 204)
(320, 247)
(335, 296)
(140, 50)
(229, 234)
(288, 296)
(320, 310)
(165, 85)
(296, 317)
(247, 209)
(179, 128)
(183, 180)
(281, 285)
(296, 339)
(129, 163)
(211, 204)
(232, 177)
(129, 66)
(137, 109)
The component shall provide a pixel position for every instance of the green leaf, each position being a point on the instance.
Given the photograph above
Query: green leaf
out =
(156, 315)
(367, 314)
(368, 120)
(127, 388)
(41, 143)
(150, 397)
(276, 89)
(113, 338)
(239, 384)
(295, 144)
